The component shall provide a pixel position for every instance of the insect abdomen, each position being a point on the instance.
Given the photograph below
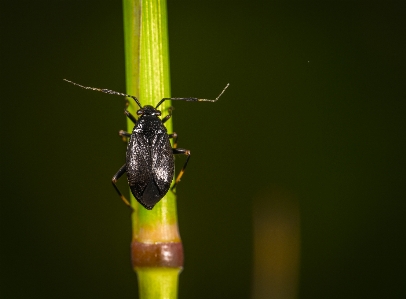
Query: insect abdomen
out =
(150, 167)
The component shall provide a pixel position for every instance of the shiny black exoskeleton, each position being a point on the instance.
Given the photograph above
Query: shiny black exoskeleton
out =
(149, 163)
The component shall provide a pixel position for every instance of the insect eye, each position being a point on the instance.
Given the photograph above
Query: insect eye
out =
(140, 112)
(158, 113)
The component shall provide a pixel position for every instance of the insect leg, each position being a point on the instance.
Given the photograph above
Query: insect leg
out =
(168, 116)
(181, 151)
(124, 135)
(130, 116)
(175, 139)
(119, 173)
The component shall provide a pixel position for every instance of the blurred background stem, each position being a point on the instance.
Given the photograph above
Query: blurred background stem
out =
(157, 253)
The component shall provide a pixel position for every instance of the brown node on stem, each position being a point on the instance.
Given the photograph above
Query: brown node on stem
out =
(166, 254)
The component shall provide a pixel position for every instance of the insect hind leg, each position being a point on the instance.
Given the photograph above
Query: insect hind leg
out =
(114, 180)
(180, 151)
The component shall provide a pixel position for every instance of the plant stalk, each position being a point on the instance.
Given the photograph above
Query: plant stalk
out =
(157, 252)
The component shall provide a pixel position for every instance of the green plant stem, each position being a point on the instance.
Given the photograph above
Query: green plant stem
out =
(157, 252)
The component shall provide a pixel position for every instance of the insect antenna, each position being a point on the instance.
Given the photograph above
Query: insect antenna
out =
(107, 91)
(193, 99)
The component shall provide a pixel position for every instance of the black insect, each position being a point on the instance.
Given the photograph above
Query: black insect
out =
(149, 159)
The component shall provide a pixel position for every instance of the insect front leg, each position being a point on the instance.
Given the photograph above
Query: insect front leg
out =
(130, 116)
(181, 151)
(170, 109)
(119, 173)
(124, 134)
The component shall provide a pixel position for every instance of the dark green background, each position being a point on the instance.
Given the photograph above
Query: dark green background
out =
(316, 106)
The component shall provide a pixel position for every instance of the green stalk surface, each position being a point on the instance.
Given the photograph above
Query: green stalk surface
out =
(147, 78)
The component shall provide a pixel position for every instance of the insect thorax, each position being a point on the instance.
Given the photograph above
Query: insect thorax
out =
(149, 125)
